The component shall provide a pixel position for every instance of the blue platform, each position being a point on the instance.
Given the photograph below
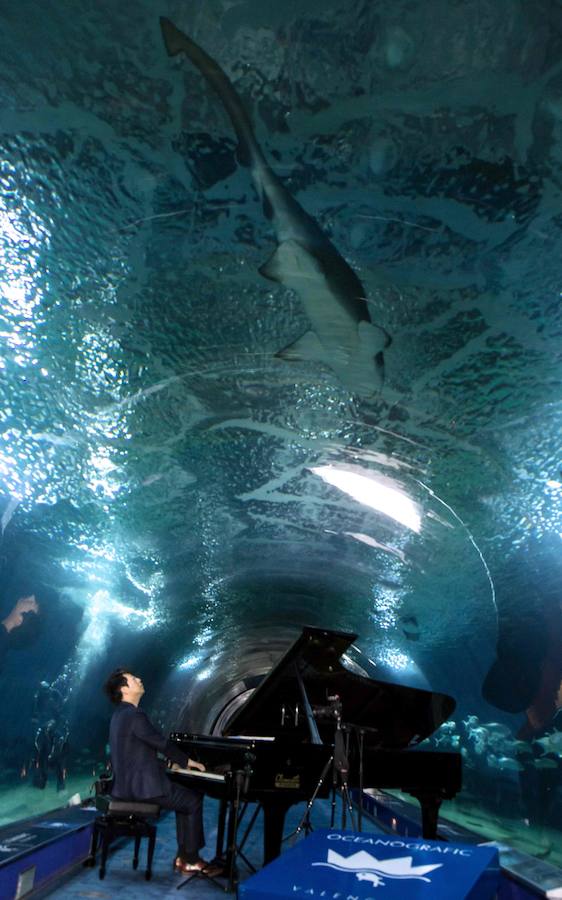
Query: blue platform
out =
(339, 865)
(36, 852)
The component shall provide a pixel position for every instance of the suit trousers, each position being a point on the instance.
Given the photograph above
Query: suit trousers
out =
(188, 807)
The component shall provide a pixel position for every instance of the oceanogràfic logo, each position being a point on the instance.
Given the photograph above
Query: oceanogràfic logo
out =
(369, 868)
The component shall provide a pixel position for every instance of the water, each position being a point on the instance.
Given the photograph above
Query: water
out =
(181, 495)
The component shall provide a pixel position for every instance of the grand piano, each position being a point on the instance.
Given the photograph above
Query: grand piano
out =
(285, 741)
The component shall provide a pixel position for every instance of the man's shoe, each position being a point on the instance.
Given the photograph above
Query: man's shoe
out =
(199, 866)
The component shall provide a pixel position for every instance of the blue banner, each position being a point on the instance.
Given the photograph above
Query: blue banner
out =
(345, 865)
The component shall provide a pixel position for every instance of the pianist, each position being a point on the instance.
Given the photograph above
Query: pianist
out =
(138, 775)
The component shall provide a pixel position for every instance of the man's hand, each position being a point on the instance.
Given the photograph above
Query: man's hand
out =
(191, 764)
(23, 606)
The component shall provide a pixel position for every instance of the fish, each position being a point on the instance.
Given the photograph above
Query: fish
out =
(498, 727)
(545, 762)
(508, 764)
(341, 334)
(551, 743)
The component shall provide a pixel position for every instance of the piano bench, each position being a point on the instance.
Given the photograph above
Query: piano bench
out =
(123, 818)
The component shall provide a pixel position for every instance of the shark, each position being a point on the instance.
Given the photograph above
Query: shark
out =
(341, 334)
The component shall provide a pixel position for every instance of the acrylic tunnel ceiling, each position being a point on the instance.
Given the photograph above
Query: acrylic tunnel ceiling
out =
(307, 378)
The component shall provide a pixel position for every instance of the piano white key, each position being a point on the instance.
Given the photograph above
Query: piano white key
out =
(194, 773)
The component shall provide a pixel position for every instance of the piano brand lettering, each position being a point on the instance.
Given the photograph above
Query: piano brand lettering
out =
(401, 845)
(287, 781)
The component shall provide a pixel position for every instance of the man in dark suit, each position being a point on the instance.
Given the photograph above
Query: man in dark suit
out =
(138, 774)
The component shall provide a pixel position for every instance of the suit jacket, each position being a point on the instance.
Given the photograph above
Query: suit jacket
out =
(134, 743)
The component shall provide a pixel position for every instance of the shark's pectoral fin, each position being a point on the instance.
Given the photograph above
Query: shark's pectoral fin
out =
(373, 339)
(307, 347)
(372, 343)
(379, 365)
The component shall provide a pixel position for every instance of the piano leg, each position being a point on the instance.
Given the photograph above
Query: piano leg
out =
(430, 805)
(273, 822)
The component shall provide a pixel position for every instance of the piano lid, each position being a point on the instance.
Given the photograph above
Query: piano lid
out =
(394, 715)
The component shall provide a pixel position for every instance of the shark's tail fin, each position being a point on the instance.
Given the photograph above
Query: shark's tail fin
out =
(177, 42)
(172, 37)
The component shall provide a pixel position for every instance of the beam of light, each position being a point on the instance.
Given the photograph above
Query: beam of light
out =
(206, 673)
(103, 606)
(101, 609)
(394, 659)
(155, 582)
(385, 608)
(204, 636)
(100, 479)
(189, 662)
(376, 491)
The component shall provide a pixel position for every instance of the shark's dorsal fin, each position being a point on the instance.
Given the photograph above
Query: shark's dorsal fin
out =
(290, 257)
(273, 267)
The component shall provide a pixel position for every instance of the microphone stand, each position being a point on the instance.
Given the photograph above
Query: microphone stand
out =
(240, 779)
(241, 784)
(361, 731)
(360, 810)
(340, 771)
(338, 763)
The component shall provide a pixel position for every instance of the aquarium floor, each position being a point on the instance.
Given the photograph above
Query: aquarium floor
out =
(543, 843)
(121, 880)
(24, 800)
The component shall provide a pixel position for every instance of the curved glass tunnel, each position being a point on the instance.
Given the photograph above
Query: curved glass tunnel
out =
(197, 460)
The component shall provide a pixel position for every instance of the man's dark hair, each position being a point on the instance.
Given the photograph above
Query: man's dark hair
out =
(114, 683)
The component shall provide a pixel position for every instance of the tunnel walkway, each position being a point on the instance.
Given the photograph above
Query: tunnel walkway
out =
(123, 882)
